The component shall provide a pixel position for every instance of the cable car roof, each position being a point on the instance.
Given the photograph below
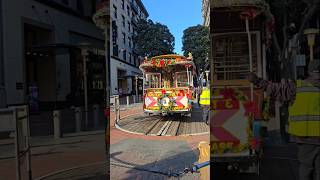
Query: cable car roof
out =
(163, 61)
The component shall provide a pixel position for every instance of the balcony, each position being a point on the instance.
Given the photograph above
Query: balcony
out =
(134, 21)
(134, 8)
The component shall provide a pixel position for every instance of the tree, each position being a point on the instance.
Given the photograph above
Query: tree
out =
(153, 39)
(196, 40)
(291, 18)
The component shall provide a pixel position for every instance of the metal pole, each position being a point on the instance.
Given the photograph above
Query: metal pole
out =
(107, 86)
(117, 108)
(85, 84)
(137, 98)
(188, 75)
(16, 142)
(28, 154)
(250, 54)
(56, 124)
(128, 100)
(311, 52)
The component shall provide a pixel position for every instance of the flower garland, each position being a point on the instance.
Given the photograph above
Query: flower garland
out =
(251, 111)
(163, 62)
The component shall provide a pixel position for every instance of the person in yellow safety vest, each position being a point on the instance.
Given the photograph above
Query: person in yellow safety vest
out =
(304, 116)
(205, 102)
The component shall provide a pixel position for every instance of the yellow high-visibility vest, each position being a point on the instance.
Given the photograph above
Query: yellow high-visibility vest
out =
(304, 114)
(205, 97)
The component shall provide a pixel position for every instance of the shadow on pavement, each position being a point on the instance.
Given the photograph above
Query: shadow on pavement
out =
(137, 164)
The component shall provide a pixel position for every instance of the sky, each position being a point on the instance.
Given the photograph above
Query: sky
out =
(178, 15)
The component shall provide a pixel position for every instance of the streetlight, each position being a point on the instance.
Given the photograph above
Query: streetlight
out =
(311, 35)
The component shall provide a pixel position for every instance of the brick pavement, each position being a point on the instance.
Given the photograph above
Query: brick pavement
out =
(155, 152)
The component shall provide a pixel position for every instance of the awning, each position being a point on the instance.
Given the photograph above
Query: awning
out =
(50, 49)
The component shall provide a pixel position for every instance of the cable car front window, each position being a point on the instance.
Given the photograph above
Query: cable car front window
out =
(153, 80)
(182, 79)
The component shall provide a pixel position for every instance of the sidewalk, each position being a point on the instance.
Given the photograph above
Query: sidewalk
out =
(50, 155)
(126, 107)
(85, 172)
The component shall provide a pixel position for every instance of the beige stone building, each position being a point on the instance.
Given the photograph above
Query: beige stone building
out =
(124, 63)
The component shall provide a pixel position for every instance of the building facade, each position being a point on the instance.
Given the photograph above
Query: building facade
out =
(40, 49)
(124, 64)
(206, 12)
(53, 58)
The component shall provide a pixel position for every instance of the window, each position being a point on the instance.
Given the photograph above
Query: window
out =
(124, 55)
(129, 41)
(153, 80)
(123, 21)
(231, 57)
(130, 57)
(122, 4)
(114, 32)
(124, 38)
(128, 11)
(115, 50)
(129, 26)
(182, 79)
(115, 13)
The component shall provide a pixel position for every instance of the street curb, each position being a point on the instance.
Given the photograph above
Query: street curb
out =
(65, 170)
(118, 127)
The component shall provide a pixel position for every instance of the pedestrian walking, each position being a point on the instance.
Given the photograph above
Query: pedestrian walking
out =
(303, 97)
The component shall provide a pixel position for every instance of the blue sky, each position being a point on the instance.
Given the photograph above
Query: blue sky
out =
(176, 14)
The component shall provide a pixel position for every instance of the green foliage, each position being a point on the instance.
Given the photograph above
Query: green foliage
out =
(153, 39)
(196, 40)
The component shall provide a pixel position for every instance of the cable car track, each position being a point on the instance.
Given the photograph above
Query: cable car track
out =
(163, 125)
